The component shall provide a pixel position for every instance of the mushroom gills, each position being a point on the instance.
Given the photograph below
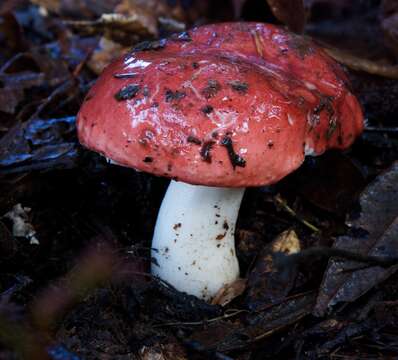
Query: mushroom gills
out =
(193, 244)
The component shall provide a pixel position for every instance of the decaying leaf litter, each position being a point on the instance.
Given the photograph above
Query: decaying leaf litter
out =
(84, 289)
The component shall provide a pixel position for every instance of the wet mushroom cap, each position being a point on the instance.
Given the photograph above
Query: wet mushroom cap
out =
(234, 105)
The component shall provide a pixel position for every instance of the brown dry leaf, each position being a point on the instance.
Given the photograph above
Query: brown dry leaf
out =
(105, 53)
(287, 242)
(77, 8)
(120, 26)
(215, 333)
(38, 143)
(374, 233)
(127, 23)
(267, 285)
(360, 64)
(229, 292)
(289, 12)
(131, 20)
(155, 8)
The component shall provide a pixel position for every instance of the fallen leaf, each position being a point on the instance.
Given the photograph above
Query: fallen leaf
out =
(171, 25)
(339, 333)
(22, 80)
(223, 336)
(38, 142)
(106, 51)
(119, 25)
(26, 70)
(266, 284)
(21, 226)
(77, 8)
(287, 243)
(12, 93)
(361, 64)
(229, 292)
(130, 21)
(374, 232)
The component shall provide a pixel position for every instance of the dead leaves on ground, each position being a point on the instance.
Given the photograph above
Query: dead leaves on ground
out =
(225, 336)
(229, 292)
(120, 24)
(127, 22)
(374, 232)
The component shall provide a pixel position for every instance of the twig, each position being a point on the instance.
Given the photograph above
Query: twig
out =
(258, 42)
(282, 203)
(203, 322)
(382, 129)
(282, 260)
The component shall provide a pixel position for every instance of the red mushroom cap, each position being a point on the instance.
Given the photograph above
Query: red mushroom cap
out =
(234, 105)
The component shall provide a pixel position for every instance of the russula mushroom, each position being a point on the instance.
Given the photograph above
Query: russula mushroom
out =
(217, 109)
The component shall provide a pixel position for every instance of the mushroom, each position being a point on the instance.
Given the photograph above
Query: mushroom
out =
(216, 109)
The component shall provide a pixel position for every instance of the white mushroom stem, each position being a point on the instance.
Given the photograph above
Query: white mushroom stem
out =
(193, 245)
